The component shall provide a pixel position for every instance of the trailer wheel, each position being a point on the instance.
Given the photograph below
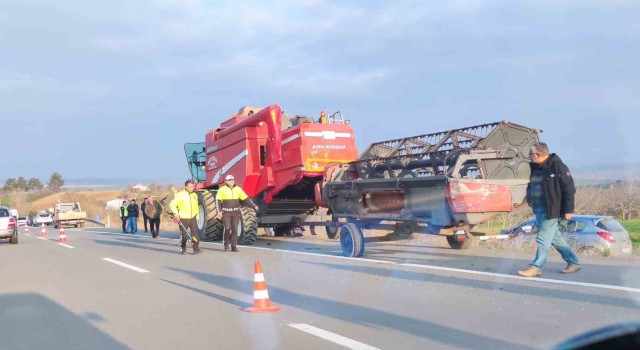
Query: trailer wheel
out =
(209, 227)
(455, 244)
(248, 230)
(351, 240)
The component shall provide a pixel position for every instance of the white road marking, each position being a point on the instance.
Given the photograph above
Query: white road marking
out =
(536, 279)
(428, 267)
(42, 238)
(66, 245)
(130, 267)
(332, 337)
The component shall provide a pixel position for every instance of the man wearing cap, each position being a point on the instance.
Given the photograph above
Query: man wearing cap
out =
(184, 207)
(228, 203)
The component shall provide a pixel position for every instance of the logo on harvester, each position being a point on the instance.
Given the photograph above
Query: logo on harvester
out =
(212, 162)
(329, 147)
(228, 166)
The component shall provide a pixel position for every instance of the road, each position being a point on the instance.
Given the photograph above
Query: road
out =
(110, 290)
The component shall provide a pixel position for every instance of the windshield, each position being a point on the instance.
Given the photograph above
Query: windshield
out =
(374, 161)
(4, 213)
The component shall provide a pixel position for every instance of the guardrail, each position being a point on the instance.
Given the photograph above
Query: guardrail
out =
(93, 223)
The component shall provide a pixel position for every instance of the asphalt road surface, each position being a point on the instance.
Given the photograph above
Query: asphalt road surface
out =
(108, 290)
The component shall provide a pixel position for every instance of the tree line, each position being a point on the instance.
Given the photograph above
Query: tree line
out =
(56, 181)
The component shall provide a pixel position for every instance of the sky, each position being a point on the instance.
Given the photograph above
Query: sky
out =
(113, 89)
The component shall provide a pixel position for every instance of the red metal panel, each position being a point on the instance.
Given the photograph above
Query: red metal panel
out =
(477, 197)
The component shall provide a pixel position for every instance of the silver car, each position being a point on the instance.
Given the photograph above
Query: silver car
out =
(8, 226)
(588, 234)
(43, 218)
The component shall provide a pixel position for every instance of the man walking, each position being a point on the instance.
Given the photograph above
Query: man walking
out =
(228, 204)
(184, 207)
(144, 215)
(550, 194)
(153, 210)
(134, 213)
(124, 216)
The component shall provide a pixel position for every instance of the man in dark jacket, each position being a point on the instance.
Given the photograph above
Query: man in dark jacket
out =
(134, 214)
(145, 218)
(153, 210)
(550, 194)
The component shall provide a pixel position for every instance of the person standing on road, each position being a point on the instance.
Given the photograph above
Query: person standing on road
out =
(228, 204)
(124, 215)
(551, 195)
(134, 214)
(145, 219)
(184, 207)
(152, 210)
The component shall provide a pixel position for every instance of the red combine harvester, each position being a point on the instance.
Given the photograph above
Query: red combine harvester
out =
(278, 160)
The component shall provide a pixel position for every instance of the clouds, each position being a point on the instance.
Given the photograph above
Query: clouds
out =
(174, 68)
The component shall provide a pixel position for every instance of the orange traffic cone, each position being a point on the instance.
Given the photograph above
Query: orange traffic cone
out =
(63, 237)
(261, 301)
(26, 231)
(43, 232)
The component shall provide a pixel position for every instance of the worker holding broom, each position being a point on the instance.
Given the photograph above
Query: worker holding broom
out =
(185, 211)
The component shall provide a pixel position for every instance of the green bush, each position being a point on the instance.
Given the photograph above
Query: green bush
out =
(633, 227)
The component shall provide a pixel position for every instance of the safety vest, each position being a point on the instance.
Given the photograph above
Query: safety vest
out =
(229, 198)
(185, 204)
(123, 211)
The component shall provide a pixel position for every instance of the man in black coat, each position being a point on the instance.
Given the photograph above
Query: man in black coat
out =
(551, 195)
(134, 214)
(145, 218)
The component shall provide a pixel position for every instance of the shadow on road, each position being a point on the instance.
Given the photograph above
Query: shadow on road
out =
(135, 246)
(362, 315)
(483, 284)
(31, 321)
(239, 303)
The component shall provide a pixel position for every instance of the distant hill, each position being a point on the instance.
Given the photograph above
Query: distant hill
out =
(605, 173)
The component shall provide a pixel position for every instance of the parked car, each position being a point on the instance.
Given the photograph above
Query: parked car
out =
(43, 218)
(588, 234)
(8, 226)
(23, 221)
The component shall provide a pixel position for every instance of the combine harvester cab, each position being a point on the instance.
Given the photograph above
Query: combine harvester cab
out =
(442, 183)
(278, 160)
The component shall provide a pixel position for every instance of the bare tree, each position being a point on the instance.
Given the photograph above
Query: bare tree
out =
(591, 200)
(624, 200)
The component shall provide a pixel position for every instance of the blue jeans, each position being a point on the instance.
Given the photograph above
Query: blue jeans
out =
(132, 225)
(549, 234)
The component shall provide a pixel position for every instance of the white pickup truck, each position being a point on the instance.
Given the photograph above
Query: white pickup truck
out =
(8, 226)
